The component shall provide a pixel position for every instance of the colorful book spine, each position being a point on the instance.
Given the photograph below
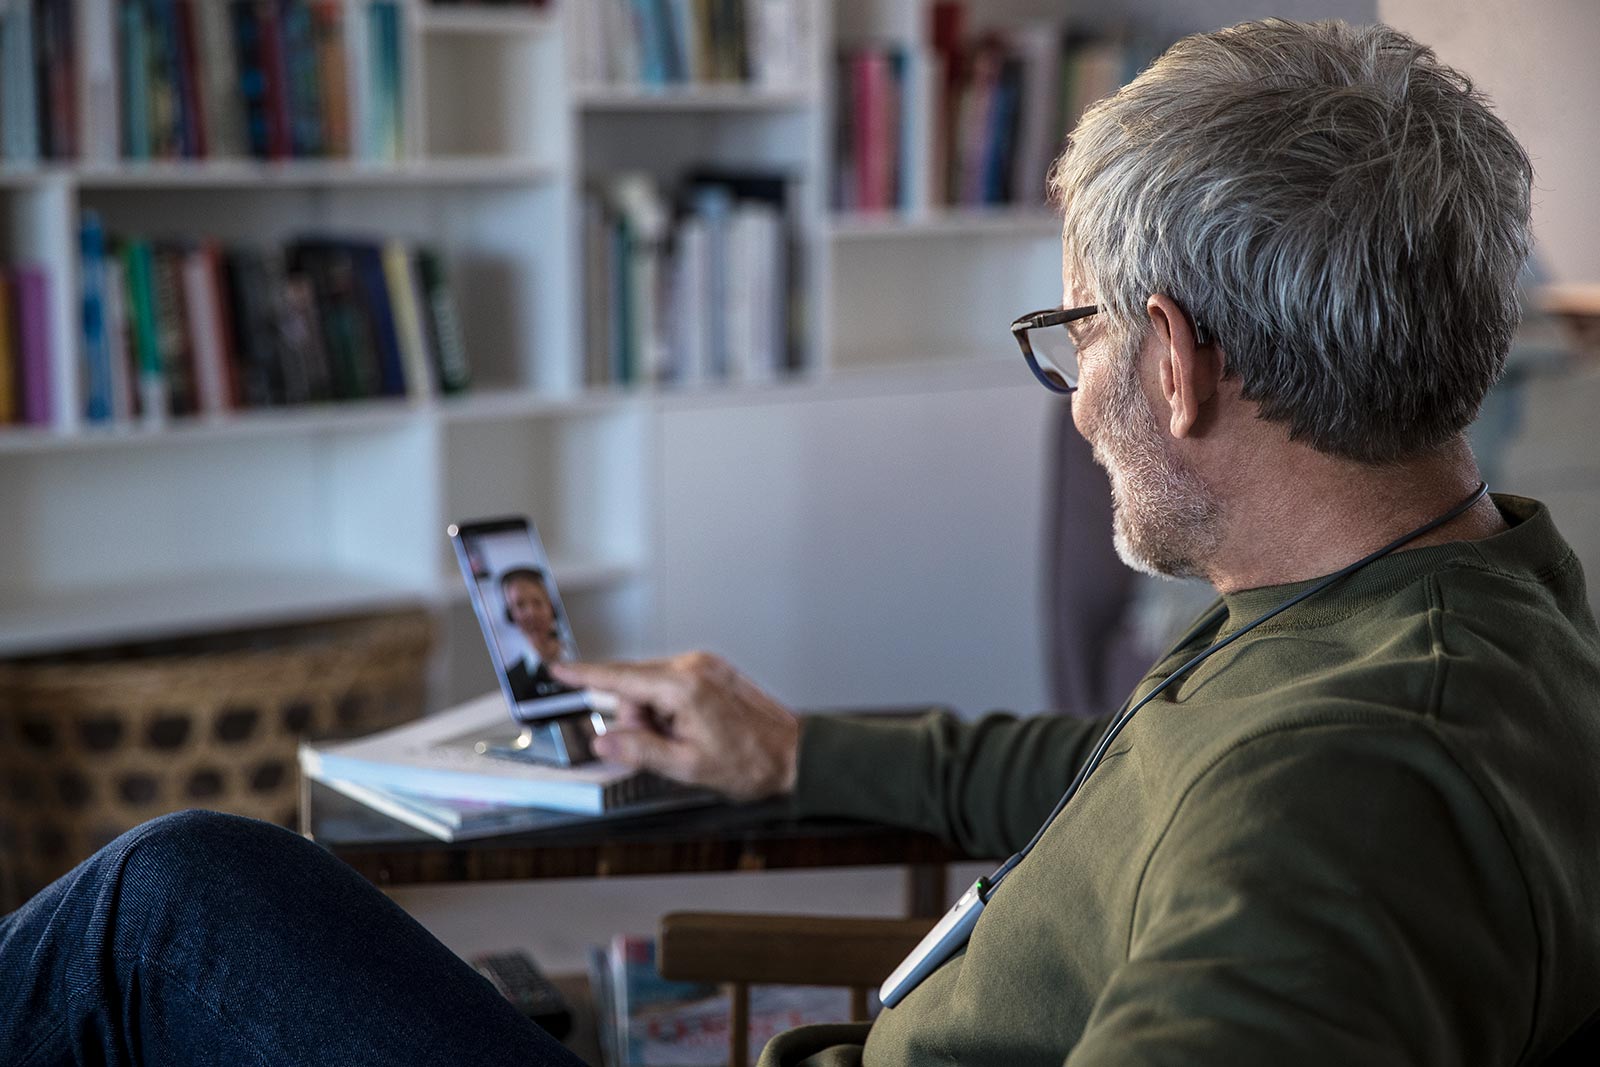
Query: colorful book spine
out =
(332, 77)
(172, 331)
(162, 76)
(139, 269)
(249, 51)
(300, 333)
(275, 66)
(714, 204)
(218, 80)
(623, 356)
(103, 105)
(58, 57)
(302, 82)
(33, 333)
(196, 142)
(217, 284)
(374, 290)
(10, 357)
(358, 69)
(390, 89)
(19, 78)
(134, 51)
(444, 324)
(416, 360)
(206, 331)
(123, 373)
(98, 402)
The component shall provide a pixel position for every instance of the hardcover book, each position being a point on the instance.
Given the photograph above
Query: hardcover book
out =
(446, 756)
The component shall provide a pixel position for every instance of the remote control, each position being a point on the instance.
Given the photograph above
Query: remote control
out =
(517, 978)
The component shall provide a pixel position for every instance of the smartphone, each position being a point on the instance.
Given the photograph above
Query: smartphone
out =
(514, 595)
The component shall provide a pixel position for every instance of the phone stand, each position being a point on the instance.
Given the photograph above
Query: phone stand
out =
(563, 741)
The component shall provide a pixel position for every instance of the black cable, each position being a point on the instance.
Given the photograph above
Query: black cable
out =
(994, 880)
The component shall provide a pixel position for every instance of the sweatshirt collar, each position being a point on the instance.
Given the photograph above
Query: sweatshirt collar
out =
(1529, 546)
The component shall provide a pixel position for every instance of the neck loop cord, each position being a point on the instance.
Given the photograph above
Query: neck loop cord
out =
(994, 880)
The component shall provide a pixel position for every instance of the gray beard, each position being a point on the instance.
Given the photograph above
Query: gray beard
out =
(1165, 521)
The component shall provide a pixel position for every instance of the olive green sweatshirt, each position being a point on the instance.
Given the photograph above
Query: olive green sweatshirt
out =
(1366, 833)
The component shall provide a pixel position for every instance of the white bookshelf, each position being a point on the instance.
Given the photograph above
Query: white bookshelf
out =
(706, 98)
(114, 533)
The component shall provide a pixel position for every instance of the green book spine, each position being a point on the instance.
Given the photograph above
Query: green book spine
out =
(140, 272)
(444, 325)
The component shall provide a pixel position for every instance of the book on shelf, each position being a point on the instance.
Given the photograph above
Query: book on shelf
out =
(27, 388)
(10, 361)
(223, 79)
(662, 44)
(691, 284)
(207, 328)
(38, 81)
(967, 118)
(442, 756)
(201, 79)
(647, 1021)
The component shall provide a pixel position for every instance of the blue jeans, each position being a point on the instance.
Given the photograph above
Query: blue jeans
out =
(201, 938)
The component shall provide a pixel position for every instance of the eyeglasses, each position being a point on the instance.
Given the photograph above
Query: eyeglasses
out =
(1048, 347)
(1051, 352)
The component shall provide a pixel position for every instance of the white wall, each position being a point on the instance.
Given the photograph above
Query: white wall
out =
(849, 549)
(1536, 60)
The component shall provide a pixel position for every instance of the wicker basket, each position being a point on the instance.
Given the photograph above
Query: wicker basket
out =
(93, 744)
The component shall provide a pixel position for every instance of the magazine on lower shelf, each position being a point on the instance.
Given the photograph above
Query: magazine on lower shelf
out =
(648, 1021)
(443, 757)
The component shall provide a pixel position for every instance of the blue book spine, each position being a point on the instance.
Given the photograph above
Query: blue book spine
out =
(652, 43)
(252, 77)
(96, 348)
(622, 355)
(376, 82)
(715, 204)
(679, 18)
(1002, 117)
(305, 95)
(393, 95)
(383, 35)
(186, 134)
(901, 71)
(375, 292)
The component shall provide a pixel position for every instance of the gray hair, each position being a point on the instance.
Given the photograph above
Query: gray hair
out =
(1343, 212)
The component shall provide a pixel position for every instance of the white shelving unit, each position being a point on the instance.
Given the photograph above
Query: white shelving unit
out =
(115, 533)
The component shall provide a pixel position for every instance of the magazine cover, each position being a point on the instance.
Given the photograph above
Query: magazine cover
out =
(657, 1023)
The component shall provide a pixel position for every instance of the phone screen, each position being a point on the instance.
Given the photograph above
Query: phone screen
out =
(514, 595)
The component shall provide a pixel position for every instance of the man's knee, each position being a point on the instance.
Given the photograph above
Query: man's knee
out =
(185, 846)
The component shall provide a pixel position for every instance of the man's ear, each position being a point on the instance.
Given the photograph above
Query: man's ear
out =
(1190, 372)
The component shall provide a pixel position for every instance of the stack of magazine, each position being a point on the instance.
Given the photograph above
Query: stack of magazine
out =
(436, 774)
(647, 1021)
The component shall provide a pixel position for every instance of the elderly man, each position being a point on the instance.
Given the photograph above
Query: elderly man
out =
(1351, 817)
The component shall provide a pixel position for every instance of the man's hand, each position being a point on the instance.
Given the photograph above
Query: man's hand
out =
(695, 719)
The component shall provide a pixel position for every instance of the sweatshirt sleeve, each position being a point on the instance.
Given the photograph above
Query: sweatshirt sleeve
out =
(1329, 894)
(984, 786)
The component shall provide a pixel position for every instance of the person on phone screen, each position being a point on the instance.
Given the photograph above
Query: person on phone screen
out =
(531, 609)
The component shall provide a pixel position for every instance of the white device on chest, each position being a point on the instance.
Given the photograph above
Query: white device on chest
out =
(952, 931)
(940, 944)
